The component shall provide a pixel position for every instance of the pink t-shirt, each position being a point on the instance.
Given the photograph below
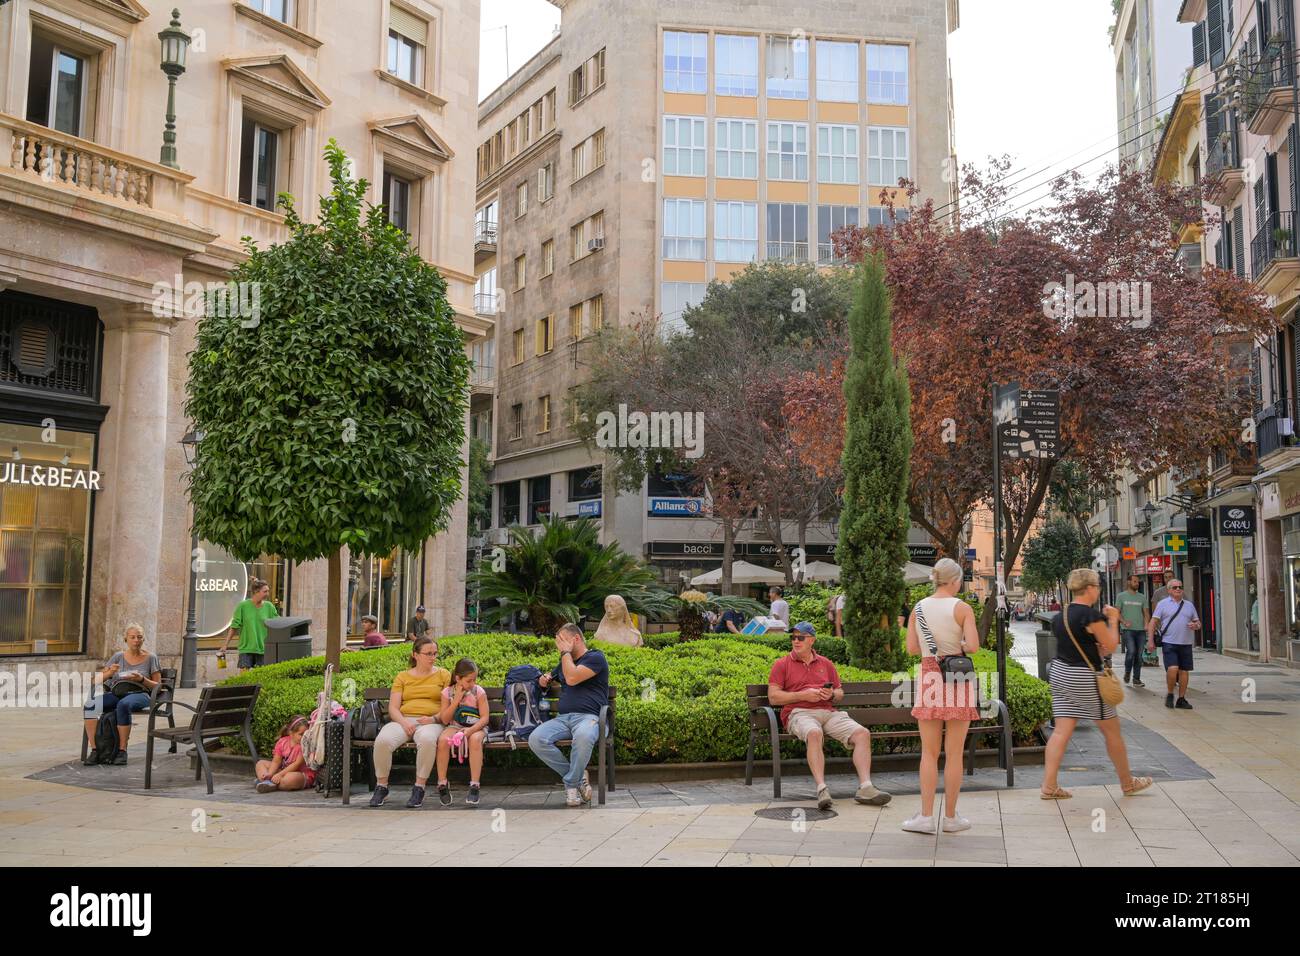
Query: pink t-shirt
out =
(375, 639)
(287, 750)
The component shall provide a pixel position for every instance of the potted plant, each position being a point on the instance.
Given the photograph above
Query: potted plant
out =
(692, 605)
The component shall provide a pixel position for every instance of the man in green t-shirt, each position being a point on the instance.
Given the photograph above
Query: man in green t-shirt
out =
(1134, 613)
(249, 620)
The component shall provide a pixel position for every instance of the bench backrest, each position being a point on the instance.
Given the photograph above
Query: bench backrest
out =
(496, 700)
(225, 709)
(870, 703)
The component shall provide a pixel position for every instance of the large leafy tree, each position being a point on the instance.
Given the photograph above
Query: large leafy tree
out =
(743, 340)
(969, 311)
(877, 449)
(336, 418)
(1053, 552)
(562, 575)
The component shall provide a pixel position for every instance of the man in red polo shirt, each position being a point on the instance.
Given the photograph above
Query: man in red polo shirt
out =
(806, 687)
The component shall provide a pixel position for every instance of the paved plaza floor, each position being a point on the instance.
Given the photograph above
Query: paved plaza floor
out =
(1228, 776)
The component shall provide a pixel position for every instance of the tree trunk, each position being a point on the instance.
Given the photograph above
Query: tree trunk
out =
(728, 554)
(1016, 538)
(773, 528)
(334, 610)
(803, 546)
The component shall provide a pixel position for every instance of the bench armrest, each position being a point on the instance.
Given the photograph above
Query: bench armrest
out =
(771, 715)
(603, 723)
(156, 706)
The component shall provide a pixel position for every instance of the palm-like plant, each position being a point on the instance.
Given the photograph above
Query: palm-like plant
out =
(691, 605)
(564, 574)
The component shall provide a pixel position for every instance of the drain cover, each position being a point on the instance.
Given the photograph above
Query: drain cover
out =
(1261, 713)
(790, 814)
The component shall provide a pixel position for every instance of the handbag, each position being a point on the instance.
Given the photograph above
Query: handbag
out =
(1159, 634)
(1108, 685)
(954, 665)
(124, 687)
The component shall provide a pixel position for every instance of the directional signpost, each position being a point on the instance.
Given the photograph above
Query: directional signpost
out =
(1026, 424)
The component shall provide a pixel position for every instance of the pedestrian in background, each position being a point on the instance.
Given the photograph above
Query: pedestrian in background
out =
(1134, 616)
(1177, 622)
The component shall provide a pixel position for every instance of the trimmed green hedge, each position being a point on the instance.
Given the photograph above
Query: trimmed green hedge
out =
(677, 701)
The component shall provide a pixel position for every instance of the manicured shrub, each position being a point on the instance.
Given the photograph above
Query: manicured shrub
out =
(677, 701)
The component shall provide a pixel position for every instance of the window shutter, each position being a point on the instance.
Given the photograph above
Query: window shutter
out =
(1295, 356)
(1293, 145)
(408, 25)
(1213, 123)
(1238, 241)
(1256, 382)
(1214, 33)
(1218, 252)
(1198, 44)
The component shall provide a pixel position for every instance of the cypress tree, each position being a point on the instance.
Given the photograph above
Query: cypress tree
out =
(877, 452)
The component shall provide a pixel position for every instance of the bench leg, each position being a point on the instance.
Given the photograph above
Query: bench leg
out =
(203, 764)
(1011, 756)
(776, 764)
(970, 754)
(83, 743)
(600, 764)
(749, 760)
(611, 766)
(148, 760)
(171, 725)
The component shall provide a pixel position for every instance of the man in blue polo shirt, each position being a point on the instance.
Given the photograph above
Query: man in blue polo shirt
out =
(584, 690)
(1178, 622)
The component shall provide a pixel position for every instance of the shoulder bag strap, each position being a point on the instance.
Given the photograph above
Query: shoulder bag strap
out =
(1065, 619)
(1164, 625)
(925, 631)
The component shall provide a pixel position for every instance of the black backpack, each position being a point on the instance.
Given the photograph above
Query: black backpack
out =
(522, 705)
(106, 742)
(368, 719)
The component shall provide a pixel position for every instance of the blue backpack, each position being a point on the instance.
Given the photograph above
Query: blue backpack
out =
(522, 705)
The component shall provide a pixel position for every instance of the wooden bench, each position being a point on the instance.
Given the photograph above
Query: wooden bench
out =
(161, 694)
(221, 712)
(871, 704)
(604, 749)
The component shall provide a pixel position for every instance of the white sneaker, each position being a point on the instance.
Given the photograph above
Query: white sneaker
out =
(955, 824)
(572, 798)
(919, 824)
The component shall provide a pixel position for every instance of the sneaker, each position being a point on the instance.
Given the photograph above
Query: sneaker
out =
(472, 797)
(1183, 704)
(955, 824)
(1138, 683)
(584, 788)
(572, 797)
(1169, 700)
(444, 794)
(919, 824)
(120, 759)
(416, 799)
(1128, 679)
(379, 796)
(824, 801)
(871, 796)
(91, 759)
(266, 786)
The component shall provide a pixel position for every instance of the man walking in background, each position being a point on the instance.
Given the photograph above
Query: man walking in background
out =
(1178, 623)
(1134, 616)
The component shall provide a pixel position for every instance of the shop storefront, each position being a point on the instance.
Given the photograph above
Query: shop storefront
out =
(387, 587)
(49, 428)
(221, 583)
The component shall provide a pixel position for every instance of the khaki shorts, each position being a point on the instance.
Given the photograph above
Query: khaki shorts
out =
(832, 723)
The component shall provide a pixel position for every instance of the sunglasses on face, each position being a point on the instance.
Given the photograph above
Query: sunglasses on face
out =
(796, 638)
(1175, 587)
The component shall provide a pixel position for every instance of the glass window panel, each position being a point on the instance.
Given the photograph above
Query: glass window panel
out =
(13, 614)
(50, 558)
(47, 614)
(15, 557)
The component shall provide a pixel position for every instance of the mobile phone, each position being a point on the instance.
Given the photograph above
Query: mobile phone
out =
(827, 686)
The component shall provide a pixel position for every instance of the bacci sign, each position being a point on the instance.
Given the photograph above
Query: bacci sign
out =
(48, 476)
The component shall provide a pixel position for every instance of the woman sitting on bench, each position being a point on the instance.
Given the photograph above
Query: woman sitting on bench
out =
(412, 716)
(129, 677)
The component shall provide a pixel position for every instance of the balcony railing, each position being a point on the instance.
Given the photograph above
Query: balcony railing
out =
(1270, 430)
(1263, 76)
(485, 232)
(826, 255)
(788, 251)
(486, 303)
(74, 163)
(1224, 153)
(1274, 240)
(482, 375)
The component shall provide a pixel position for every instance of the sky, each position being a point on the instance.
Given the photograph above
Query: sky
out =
(1031, 78)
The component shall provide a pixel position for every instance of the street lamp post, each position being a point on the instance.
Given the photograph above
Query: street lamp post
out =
(190, 643)
(1112, 535)
(175, 44)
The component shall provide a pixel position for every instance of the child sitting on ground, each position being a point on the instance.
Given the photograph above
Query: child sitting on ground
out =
(286, 770)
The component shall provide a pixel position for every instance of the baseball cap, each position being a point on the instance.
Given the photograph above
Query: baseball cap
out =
(803, 627)
(419, 607)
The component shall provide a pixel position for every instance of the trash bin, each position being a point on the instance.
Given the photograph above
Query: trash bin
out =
(287, 639)
(1046, 640)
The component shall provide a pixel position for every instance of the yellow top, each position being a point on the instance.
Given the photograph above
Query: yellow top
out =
(421, 696)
